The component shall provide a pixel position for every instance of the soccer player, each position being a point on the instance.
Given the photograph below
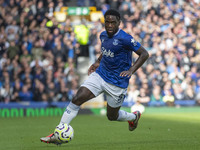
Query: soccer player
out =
(109, 74)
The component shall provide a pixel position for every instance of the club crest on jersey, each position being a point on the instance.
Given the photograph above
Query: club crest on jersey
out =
(134, 42)
(102, 40)
(115, 42)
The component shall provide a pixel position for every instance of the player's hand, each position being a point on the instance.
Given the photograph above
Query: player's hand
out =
(92, 68)
(126, 74)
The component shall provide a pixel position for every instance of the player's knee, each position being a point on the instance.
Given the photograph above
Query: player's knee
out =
(76, 101)
(82, 96)
(111, 117)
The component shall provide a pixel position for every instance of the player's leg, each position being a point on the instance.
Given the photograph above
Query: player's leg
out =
(115, 97)
(112, 113)
(71, 111)
(83, 95)
(88, 90)
(115, 114)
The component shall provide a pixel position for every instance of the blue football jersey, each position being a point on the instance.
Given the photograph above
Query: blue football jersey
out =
(117, 57)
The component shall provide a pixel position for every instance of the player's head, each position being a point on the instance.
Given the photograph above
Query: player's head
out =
(112, 21)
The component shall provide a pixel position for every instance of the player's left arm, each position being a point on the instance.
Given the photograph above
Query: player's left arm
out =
(143, 56)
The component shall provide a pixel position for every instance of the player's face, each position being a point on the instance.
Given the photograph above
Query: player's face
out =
(111, 25)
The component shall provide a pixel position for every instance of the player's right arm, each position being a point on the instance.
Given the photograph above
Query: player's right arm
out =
(94, 66)
(131, 44)
(143, 56)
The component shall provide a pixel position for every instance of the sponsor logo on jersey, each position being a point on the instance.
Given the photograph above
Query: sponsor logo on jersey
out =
(115, 42)
(107, 53)
(134, 42)
(102, 40)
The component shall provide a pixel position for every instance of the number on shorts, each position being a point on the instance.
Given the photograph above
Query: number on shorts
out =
(120, 99)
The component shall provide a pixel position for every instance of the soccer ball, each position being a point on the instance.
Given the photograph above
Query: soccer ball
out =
(64, 133)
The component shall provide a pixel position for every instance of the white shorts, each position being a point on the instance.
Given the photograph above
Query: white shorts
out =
(114, 95)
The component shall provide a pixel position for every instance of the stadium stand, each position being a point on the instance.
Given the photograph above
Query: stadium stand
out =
(42, 59)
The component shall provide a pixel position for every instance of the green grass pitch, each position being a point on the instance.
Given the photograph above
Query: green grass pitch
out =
(158, 129)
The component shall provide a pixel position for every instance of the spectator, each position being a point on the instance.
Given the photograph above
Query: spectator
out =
(39, 74)
(12, 30)
(133, 94)
(37, 51)
(125, 12)
(143, 98)
(50, 9)
(156, 97)
(197, 87)
(17, 88)
(189, 93)
(63, 92)
(59, 51)
(40, 11)
(51, 91)
(6, 92)
(25, 95)
(25, 57)
(59, 6)
(178, 92)
(13, 50)
(169, 98)
(93, 42)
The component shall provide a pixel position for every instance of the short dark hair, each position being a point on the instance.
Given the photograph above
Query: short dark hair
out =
(112, 12)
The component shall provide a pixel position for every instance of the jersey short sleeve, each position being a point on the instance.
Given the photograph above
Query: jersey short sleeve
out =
(130, 43)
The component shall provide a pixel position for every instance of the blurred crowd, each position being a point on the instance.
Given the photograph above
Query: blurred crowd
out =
(38, 54)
